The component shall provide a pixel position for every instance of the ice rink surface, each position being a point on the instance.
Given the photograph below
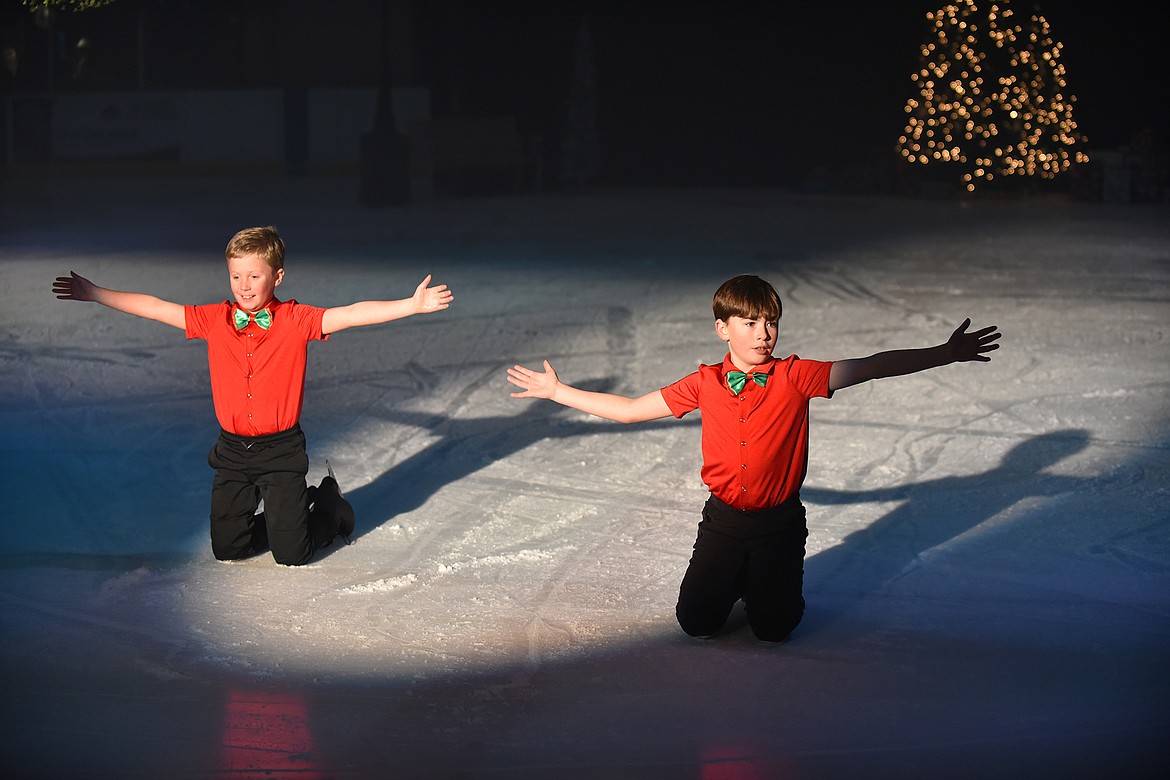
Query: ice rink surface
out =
(988, 569)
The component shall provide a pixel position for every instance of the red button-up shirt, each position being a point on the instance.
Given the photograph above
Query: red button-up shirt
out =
(257, 375)
(755, 444)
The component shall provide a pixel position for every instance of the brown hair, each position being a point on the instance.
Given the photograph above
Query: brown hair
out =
(749, 297)
(262, 241)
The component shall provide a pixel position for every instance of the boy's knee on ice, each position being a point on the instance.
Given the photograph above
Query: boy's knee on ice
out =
(225, 552)
(770, 623)
(775, 625)
(703, 603)
(292, 559)
(698, 625)
(235, 539)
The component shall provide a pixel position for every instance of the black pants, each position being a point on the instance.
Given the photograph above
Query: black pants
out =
(272, 468)
(756, 556)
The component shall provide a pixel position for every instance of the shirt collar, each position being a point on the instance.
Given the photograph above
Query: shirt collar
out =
(272, 306)
(765, 368)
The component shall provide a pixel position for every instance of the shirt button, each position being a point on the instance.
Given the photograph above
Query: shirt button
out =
(743, 465)
(743, 398)
(742, 420)
(743, 444)
(741, 490)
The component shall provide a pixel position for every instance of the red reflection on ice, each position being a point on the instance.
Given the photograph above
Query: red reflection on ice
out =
(733, 762)
(267, 735)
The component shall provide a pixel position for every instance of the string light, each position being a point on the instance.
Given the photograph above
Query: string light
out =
(1022, 126)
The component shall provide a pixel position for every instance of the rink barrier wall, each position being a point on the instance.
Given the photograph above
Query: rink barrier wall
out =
(296, 129)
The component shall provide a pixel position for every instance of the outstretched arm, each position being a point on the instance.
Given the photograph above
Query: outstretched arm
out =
(78, 288)
(425, 299)
(960, 347)
(619, 408)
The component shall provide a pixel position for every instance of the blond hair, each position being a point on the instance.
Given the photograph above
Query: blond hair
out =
(262, 241)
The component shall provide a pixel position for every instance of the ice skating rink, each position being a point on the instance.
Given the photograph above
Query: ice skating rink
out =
(988, 570)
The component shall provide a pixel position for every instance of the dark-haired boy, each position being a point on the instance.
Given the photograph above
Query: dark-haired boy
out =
(750, 543)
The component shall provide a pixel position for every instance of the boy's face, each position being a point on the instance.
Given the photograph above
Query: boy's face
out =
(253, 281)
(750, 341)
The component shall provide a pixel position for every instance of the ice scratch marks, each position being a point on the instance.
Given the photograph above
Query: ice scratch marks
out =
(51, 378)
(1121, 392)
(495, 551)
(1142, 549)
(808, 286)
(525, 556)
(158, 593)
(382, 585)
(546, 636)
(620, 339)
(521, 561)
(43, 352)
(619, 331)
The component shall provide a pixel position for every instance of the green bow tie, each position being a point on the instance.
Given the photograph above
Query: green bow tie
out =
(737, 379)
(263, 319)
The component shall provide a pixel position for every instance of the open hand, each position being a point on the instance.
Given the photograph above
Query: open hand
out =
(431, 298)
(73, 288)
(966, 346)
(534, 384)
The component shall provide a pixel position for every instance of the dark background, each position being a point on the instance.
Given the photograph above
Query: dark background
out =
(688, 92)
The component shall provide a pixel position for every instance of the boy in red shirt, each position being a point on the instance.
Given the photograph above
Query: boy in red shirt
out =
(256, 353)
(754, 408)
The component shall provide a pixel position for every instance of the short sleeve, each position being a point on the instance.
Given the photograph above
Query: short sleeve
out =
(810, 378)
(682, 397)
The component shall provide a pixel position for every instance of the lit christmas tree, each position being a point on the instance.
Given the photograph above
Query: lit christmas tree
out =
(992, 98)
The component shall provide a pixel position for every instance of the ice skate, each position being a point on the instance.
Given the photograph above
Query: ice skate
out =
(326, 500)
